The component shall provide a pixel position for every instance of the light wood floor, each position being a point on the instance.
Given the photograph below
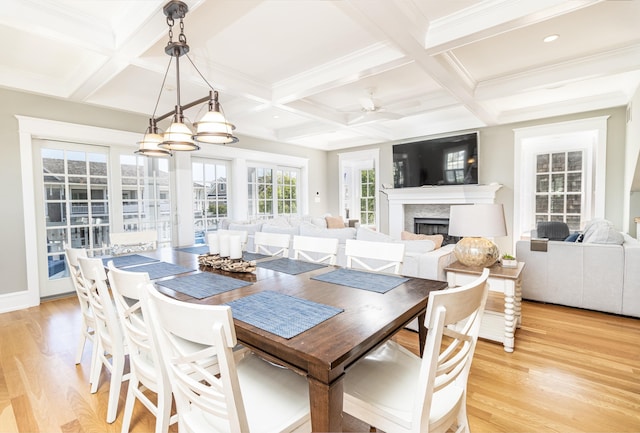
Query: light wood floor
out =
(572, 371)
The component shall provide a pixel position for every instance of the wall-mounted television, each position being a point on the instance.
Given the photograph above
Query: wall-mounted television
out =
(439, 161)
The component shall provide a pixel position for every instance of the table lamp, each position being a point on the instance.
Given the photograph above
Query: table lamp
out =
(473, 223)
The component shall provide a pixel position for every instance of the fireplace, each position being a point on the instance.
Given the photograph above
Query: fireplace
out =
(434, 226)
(402, 202)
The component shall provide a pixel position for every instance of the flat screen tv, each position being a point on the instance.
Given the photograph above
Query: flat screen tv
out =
(439, 161)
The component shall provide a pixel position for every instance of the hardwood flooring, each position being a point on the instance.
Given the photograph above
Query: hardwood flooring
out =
(572, 371)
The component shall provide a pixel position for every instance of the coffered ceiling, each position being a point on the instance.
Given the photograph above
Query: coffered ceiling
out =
(333, 74)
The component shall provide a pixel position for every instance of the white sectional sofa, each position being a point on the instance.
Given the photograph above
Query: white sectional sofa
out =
(591, 275)
(420, 259)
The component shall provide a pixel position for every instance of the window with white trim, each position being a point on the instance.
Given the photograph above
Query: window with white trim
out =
(272, 191)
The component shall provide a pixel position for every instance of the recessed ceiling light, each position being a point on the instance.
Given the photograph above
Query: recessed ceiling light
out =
(551, 38)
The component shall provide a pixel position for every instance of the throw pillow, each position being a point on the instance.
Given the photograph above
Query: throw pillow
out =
(308, 229)
(574, 237)
(334, 222)
(601, 231)
(553, 230)
(436, 239)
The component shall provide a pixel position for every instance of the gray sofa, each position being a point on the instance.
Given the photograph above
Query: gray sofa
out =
(596, 276)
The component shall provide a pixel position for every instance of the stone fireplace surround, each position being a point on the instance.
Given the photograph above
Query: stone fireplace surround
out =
(405, 204)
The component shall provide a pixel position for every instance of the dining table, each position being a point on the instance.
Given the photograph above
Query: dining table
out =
(358, 320)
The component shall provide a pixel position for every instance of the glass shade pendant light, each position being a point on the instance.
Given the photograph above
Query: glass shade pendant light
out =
(212, 128)
(149, 146)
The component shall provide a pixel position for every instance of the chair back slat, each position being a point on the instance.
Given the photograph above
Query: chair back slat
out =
(318, 250)
(374, 256)
(272, 244)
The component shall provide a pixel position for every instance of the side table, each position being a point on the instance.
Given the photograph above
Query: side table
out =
(503, 313)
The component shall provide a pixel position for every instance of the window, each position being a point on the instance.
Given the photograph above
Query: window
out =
(368, 196)
(559, 194)
(557, 168)
(271, 195)
(210, 201)
(146, 197)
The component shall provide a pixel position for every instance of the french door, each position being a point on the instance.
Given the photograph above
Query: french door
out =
(72, 206)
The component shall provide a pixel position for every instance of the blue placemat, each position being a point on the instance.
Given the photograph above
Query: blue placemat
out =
(283, 315)
(199, 249)
(160, 269)
(379, 283)
(203, 285)
(130, 260)
(288, 266)
(253, 256)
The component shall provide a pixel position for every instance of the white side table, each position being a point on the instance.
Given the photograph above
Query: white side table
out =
(503, 313)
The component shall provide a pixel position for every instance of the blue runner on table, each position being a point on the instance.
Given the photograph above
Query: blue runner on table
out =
(160, 269)
(380, 283)
(292, 267)
(198, 249)
(203, 285)
(253, 256)
(130, 260)
(282, 315)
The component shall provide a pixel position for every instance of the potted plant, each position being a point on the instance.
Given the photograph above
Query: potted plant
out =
(509, 261)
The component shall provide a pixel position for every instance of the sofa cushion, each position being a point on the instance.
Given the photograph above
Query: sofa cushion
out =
(250, 228)
(553, 230)
(308, 229)
(601, 231)
(366, 234)
(334, 222)
(288, 230)
(436, 239)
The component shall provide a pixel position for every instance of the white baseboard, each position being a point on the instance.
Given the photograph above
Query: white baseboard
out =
(17, 301)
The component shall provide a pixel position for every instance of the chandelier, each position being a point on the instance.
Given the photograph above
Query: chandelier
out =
(212, 128)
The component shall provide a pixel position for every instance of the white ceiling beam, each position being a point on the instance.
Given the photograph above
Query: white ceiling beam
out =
(393, 23)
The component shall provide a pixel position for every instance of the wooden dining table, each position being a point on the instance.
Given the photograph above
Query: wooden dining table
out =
(324, 352)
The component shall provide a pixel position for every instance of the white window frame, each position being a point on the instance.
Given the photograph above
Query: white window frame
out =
(589, 135)
(274, 182)
(354, 161)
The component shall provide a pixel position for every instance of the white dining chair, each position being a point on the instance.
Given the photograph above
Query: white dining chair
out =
(111, 347)
(374, 256)
(318, 250)
(131, 242)
(272, 244)
(397, 391)
(88, 322)
(247, 395)
(147, 372)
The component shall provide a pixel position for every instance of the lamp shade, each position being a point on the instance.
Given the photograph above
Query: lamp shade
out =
(474, 222)
(477, 220)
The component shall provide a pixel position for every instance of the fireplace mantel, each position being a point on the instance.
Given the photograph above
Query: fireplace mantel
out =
(450, 194)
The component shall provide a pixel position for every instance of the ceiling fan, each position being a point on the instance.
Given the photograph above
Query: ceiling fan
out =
(371, 110)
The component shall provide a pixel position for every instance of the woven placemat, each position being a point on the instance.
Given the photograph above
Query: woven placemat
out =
(253, 256)
(282, 315)
(288, 266)
(203, 285)
(130, 260)
(160, 269)
(379, 283)
(198, 249)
